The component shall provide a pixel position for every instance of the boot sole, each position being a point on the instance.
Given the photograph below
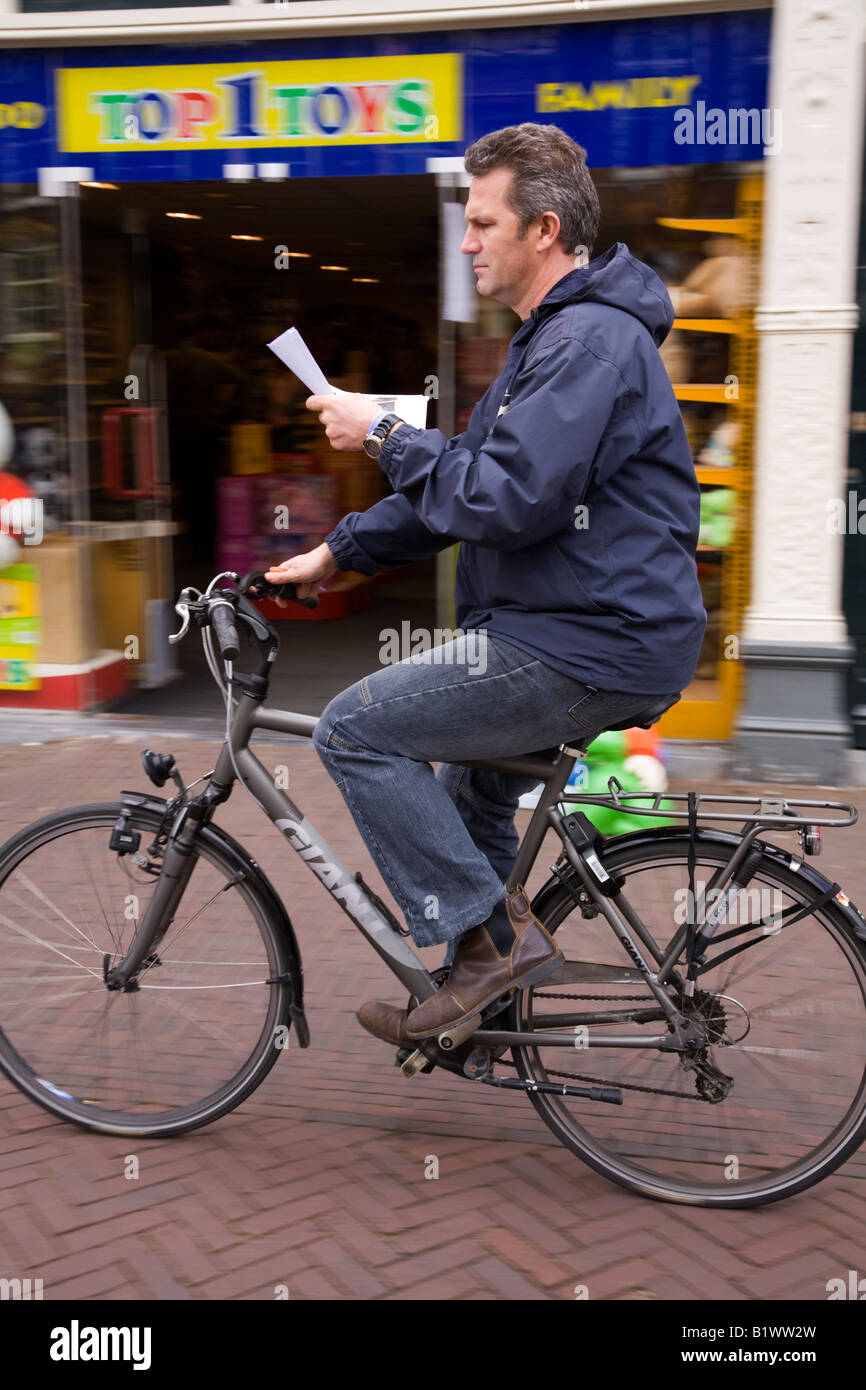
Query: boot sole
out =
(395, 1042)
(530, 977)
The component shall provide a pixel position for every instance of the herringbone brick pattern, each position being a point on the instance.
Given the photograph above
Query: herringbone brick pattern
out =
(317, 1184)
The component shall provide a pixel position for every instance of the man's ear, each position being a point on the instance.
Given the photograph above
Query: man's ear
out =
(549, 228)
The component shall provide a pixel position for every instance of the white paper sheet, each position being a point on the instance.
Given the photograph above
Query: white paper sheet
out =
(412, 409)
(293, 351)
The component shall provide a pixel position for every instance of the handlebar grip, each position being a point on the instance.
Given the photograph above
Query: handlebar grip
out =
(291, 591)
(223, 623)
(255, 586)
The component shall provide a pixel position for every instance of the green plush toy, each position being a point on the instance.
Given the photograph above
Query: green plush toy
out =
(717, 522)
(606, 818)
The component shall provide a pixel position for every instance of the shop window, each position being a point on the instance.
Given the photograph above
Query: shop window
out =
(698, 227)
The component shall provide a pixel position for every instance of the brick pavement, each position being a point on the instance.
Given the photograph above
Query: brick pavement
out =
(317, 1182)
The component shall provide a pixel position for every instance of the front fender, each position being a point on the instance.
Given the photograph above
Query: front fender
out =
(241, 861)
(220, 839)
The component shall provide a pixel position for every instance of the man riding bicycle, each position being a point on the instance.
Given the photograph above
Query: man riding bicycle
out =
(574, 496)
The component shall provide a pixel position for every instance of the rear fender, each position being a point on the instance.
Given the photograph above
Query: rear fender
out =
(612, 851)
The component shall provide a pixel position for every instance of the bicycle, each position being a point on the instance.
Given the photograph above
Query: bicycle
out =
(132, 1018)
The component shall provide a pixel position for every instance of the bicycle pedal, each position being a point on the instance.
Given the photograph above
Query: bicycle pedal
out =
(415, 1063)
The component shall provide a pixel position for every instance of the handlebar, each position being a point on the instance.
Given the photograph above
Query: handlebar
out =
(223, 623)
(220, 609)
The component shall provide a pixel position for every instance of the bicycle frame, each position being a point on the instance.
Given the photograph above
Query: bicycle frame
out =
(652, 967)
(355, 898)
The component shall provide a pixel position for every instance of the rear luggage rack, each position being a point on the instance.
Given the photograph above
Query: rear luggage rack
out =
(774, 811)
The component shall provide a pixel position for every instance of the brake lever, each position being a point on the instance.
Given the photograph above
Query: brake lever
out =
(182, 610)
(188, 596)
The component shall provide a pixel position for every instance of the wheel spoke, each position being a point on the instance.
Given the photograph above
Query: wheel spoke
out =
(797, 1072)
(177, 1044)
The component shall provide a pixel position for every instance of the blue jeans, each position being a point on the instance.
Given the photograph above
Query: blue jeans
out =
(445, 842)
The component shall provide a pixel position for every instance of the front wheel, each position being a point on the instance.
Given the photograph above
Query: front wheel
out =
(210, 1012)
(777, 1099)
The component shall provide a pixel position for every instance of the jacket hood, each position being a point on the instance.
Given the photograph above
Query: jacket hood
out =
(619, 279)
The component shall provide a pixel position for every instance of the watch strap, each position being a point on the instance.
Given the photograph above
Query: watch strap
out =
(383, 426)
(377, 421)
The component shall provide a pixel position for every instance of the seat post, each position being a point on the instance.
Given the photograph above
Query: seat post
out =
(559, 771)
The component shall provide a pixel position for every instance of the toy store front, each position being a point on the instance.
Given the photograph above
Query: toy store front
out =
(202, 206)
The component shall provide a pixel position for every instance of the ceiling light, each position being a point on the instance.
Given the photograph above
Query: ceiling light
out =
(88, 183)
(242, 236)
(301, 255)
(193, 216)
(333, 267)
(364, 280)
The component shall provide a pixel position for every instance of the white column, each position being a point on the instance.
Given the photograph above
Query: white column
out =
(805, 320)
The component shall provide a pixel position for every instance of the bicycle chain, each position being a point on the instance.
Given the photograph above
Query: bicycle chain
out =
(599, 998)
(605, 1080)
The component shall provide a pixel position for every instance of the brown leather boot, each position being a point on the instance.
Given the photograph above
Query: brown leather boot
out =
(480, 974)
(384, 1021)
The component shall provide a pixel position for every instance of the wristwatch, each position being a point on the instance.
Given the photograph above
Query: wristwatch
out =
(379, 433)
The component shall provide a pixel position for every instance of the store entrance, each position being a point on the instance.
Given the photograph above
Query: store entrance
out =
(209, 273)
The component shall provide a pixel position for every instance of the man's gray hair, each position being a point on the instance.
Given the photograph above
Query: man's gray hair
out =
(549, 174)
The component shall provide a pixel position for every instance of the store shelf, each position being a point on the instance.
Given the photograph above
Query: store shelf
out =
(735, 226)
(708, 707)
(708, 325)
(722, 477)
(122, 530)
(34, 337)
(715, 394)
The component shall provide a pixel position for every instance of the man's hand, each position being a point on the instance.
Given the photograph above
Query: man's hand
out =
(305, 571)
(346, 417)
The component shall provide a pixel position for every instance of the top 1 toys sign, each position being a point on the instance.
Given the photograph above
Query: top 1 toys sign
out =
(222, 106)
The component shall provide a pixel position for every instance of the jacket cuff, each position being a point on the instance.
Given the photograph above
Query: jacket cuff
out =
(392, 451)
(347, 553)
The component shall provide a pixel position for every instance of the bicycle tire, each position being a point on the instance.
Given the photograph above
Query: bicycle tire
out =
(555, 905)
(215, 849)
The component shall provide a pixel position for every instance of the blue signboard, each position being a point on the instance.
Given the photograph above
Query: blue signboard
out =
(635, 93)
(27, 116)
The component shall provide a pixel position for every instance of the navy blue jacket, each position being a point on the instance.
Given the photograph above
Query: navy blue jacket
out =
(578, 507)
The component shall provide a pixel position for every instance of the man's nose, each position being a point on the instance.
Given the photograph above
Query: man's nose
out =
(470, 243)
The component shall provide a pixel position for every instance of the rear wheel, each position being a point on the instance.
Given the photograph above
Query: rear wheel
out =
(210, 1013)
(775, 1101)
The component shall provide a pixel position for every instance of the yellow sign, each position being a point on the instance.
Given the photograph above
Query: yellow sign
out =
(623, 96)
(19, 627)
(223, 106)
(25, 115)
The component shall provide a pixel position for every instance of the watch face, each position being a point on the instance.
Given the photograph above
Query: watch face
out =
(372, 446)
